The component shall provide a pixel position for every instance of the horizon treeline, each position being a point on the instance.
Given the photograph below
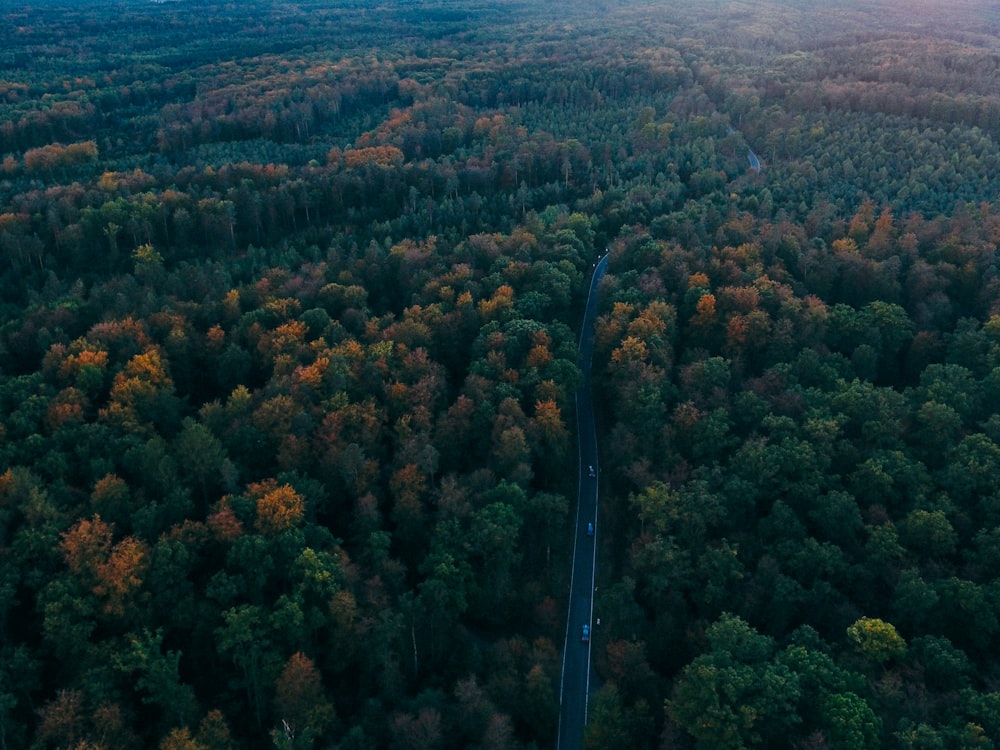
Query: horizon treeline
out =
(289, 308)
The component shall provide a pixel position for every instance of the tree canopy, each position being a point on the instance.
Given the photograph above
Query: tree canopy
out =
(289, 310)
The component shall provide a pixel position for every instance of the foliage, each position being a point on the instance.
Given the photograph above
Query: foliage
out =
(288, 361)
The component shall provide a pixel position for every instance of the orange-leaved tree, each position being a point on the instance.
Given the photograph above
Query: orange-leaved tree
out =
(279, 507)
(113, 573)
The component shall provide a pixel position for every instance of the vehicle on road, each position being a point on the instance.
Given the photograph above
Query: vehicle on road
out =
(591, 472)
(585, 637)
(590, 528)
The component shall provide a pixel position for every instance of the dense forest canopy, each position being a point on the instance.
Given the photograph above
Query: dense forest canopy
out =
(289, 305)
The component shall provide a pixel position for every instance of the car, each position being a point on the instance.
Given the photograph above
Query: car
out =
(591, 471)
(586, 634)
(590, 528)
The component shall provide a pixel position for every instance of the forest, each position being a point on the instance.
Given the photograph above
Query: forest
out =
(290, 297)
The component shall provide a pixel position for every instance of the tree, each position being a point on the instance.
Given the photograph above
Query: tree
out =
(86, 545)
(303, 712)
(849, 722)
(541, 704)
(408, 485)
(945, 667)
(244, 636)
(113, 573)
(928, 533)
(449, 585)
(735, 695)
(180, 738)
(279, 507)
(494, 534)
(120, 576)
(203, 456)
(142, 395)
(213, 732)
(876, 640)
(630, 669)
(148, 262)
(553, 437)
(937, 429)
(419, 731)
(965, 613)
(111, 498)
(474, 710)
(60, 721)
(915, 601)
(611, 724)
(158, 677)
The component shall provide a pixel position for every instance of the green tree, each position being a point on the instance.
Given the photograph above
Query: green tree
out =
(203, 456)
(735, 695)
(928, 533)
(850, 723)
(494, 535)
(245, 638)
(945, 667)
(157, 675)
(612, 724)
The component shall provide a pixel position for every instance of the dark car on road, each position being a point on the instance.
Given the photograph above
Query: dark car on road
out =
(586, 634)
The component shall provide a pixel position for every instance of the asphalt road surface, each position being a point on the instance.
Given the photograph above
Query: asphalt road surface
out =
(574, 686)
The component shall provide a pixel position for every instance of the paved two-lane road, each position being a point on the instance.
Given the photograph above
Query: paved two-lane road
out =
(574, 686)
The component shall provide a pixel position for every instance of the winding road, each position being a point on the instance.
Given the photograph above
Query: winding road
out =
(574, 685)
